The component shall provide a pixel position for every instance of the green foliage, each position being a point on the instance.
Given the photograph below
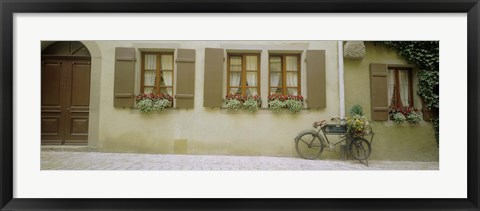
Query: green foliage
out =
(398, 118)
(356, 110)
(236, 102)
(436, 124)
(148, 105)
(145, 106)
(413, 117)
(161, 104)
(425, 55)
(357, 124)
(233, 104)
(409, 114)
(276, 105)
(428, 88)
(251, 105)
(153, 102)
(294, 105)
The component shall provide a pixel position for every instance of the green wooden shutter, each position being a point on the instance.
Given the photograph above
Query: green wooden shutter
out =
(316, 79)
(124, 78)
(379, 91)
(185, 90)
(213, 78)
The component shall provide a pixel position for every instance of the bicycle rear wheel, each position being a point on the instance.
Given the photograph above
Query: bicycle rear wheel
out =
(360, 148)
(308, 145)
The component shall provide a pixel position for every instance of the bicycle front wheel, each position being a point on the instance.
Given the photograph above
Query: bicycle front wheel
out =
(360, 148)
(308, 145)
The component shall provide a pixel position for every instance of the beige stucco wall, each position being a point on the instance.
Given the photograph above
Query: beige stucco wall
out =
(392, 141)
(218, 131)
(204, 130)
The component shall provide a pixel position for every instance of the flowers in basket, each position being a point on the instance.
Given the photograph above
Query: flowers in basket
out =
(277, 102)
(153, 102)
(357, 125)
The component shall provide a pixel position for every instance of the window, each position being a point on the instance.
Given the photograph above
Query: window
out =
(157, 73)
(284, 73)
(400, 91)
(243, 75)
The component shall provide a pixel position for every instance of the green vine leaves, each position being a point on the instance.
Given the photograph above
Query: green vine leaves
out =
(425, 55)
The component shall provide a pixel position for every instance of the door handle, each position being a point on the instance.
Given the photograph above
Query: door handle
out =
(67, 109)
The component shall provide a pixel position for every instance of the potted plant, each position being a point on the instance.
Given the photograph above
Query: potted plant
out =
(252, 103)
(356, 110)
(233, 102)
(153, 102)
(409, 114)
(276, 102)
(413, 116)
(294, 103)
(357, 124)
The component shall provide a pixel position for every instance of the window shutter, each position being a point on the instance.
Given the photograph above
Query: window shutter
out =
(213, 81)
(124, 79)
(316, 79)
(379, 91)
(185, 78)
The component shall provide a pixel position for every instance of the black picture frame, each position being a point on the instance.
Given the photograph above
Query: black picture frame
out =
(10, 7)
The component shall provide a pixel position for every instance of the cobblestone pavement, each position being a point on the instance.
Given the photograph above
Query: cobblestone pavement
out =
(58, 160)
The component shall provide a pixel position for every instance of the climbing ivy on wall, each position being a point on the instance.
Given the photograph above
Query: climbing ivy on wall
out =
(425, 55)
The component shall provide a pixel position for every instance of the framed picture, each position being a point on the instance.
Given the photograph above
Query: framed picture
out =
(169, 48)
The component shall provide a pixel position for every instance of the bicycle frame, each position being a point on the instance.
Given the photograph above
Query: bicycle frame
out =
(343, 136)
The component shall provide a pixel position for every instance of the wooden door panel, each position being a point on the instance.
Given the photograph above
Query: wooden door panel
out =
(52, 101)
(52, 88)
(77, 102)
(80, 83)
(52, 130)
(65, 100)
(77, 128)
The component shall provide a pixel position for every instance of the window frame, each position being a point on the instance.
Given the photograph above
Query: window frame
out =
(396, 98)
(243, 78)
(284, 72)
(157, 87)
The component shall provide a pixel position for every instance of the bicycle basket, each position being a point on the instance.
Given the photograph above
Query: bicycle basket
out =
(335, 129)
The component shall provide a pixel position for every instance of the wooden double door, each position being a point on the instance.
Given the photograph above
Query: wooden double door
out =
(65, 101)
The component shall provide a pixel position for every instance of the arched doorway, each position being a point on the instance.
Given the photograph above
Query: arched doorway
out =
(65, 93)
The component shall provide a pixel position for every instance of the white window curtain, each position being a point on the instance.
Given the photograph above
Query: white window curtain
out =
(251, 62)
(252, 81)
(150, 62)
(391, 85)
(149, 78)
(148, 90)
(167, 78)
(235, 73)
(167, 74)
(167, 62)
(150, 74)
(252, 76)
(404, 87)
(291, 63)
(275, 73)
(292, 77)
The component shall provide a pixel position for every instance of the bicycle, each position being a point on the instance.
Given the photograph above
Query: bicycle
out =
(310, 144)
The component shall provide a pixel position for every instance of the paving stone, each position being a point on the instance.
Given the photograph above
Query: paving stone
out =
(74, 160)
